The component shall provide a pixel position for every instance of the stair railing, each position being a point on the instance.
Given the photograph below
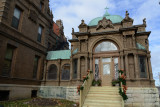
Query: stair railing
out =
(87, 84)
(121, 89)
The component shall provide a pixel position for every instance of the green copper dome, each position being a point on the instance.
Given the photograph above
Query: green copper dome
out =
(113, 18)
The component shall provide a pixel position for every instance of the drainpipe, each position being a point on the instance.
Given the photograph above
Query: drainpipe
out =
(59, 79)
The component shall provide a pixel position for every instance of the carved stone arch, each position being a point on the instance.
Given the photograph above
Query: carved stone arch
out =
(105, 38)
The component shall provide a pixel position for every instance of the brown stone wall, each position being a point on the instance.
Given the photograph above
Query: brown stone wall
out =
(24, 39)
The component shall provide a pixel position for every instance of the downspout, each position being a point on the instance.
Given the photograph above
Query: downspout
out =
(59, 80)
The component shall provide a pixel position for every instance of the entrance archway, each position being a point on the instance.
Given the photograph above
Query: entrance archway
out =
(106, 61)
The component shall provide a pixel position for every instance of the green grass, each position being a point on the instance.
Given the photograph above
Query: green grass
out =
(31, 103)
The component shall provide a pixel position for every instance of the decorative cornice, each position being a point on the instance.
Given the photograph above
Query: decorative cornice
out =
(73, 40)
(143, 33)
(128, 28)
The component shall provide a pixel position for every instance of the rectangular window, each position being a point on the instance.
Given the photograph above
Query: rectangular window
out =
(75, 61)
(8, 61)
(142, 64)
(35, 69)
(96, 69)
(16, 17)
(41, 6)
(40, 28)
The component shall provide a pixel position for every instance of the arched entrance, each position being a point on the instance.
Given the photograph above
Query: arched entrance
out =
(106, 61)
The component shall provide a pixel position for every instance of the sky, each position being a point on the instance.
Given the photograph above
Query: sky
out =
(71, 12)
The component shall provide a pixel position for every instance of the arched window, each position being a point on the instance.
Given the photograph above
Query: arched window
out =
(52, 72)
(65, 72)
(106, 46)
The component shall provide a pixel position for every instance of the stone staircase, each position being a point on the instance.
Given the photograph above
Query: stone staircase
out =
(105, 96)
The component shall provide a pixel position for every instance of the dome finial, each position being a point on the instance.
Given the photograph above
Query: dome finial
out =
(106, 14)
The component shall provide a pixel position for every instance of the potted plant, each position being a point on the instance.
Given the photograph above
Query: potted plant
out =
(96, 82)
(115, 82)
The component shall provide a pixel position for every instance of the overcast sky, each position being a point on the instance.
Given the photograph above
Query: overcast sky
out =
(71, 12)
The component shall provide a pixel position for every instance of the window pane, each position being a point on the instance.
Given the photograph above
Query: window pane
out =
(52, 72)
(106, 60)
(96, 69)
(8, 61)
(105, 46)
(15, 22)
(142, 63)
(75, 68)
(36, 59)
(40, 30)
(65, 72)
(6, 68)
(17, 13)
(9, 53)
(106, 69)
(116, 68)
(39, 38)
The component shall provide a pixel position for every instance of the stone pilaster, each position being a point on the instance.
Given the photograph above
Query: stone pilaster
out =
(122, 62)
(136, 65)
(126, 65)
(71, 69)
(150, 67)
(134, 42)
(86, 63)
(78, 68)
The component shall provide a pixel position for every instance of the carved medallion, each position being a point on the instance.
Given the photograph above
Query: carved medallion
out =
(33, 16)
(104, 23)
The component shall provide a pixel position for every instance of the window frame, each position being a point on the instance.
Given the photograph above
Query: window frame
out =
(15, 18)
(10, 61)
(39, 36)
(35, 70)
(75, 69)
(144, 66)
(50, 72)
(65, 72)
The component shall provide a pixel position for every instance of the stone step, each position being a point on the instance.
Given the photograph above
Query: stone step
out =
(118, 98)
(95, 104)
(104, 92)
(102, 101)
(102, 105)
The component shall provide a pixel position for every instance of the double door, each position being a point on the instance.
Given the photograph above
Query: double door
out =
(106, 69)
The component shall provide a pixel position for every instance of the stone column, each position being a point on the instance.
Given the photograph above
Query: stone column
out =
(78, 68)
(126, 65)
(124, 41)
(150, 67)
(71, 69)
(91, 63)
(122, 62)
(136, 66)
(86, 64)
(147, 68)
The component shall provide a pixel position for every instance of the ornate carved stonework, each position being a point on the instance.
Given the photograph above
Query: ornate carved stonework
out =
(33, 16)
(82, 24)
(144, 22)
(127, 18)
(104, 23)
